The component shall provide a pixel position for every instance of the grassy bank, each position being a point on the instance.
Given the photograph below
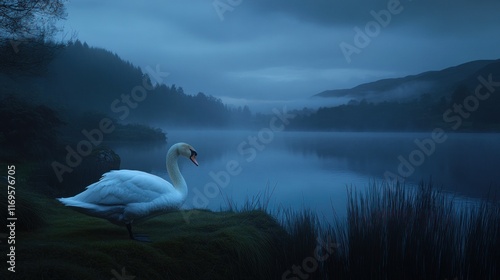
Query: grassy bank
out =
(389, 233)
(220, 245)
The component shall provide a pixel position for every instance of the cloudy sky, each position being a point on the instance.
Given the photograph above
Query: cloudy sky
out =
(274, 51)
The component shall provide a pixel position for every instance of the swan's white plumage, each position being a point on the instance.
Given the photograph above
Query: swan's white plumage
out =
(125, 196)
(122, 196)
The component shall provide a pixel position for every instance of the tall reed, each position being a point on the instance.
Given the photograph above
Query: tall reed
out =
(399, 232)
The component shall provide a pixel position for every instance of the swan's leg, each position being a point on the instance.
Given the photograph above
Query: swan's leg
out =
(137, 237)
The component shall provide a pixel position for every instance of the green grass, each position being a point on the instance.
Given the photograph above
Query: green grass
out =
(391, 232)
(221, 245)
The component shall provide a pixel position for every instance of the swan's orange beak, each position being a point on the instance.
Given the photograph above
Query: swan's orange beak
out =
(193, 157)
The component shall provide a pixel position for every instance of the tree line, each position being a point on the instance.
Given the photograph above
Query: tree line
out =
(421, 114)
(83, 79)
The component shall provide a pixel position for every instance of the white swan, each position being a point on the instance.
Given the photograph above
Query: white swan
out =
(126, 196)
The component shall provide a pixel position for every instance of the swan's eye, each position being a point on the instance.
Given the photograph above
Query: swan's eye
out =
(193, 152)
(193, 156)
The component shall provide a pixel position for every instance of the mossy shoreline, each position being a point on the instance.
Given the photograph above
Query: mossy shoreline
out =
(213, 245)
(391, 232)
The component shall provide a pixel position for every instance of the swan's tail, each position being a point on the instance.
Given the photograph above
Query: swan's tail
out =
(71, 202)
(113, 213)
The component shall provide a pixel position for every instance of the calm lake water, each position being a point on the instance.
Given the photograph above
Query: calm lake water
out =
(313, 169)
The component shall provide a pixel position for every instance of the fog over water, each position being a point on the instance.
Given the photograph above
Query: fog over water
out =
(313, 169)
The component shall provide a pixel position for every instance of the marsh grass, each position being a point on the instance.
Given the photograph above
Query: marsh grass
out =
(259, 201)
(399, 232)
(390, 232)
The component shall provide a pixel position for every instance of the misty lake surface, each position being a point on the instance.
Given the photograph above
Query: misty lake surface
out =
(313, 169)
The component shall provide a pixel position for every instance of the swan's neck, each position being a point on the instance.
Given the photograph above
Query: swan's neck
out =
(175, 174)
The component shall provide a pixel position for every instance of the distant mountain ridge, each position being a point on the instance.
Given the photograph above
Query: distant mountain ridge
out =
(436, 83)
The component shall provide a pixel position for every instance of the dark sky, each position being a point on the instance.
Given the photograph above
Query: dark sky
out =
(274, 51)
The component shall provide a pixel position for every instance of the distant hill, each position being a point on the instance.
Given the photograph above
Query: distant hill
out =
(436, 83)
(443, 99)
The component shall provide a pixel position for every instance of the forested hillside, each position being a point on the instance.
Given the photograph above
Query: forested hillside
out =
(81, 79)
(84, 84)
(462, 111)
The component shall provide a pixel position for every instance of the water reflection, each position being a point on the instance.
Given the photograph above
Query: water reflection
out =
(465, 163)
(313, 169)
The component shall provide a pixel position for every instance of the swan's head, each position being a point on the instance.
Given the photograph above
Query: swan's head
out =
(187, 151)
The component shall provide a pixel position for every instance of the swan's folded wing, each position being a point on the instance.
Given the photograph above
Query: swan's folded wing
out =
(121, 187)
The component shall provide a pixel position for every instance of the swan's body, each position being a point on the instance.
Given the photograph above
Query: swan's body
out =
(126, 196)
